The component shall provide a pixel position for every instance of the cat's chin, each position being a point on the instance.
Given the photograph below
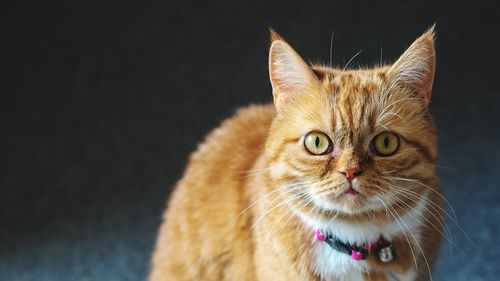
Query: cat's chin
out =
(327, 217)
(352, 209)
(353, 204)
(347, 204)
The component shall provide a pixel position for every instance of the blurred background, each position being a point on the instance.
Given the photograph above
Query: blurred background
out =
(102, 102)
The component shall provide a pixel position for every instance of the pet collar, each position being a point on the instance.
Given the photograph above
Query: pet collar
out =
(359, 251)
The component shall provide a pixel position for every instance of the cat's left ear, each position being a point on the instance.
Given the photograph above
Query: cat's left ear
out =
(416, 67)
(290, 75)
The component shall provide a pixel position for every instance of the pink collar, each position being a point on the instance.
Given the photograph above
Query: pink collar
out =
(359, 251)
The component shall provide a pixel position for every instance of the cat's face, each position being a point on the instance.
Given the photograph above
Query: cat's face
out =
(351, 141)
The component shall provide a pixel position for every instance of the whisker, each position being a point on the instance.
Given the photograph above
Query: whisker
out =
(454, 219)
(270, 210)
(380, 63)
(308, 200)
(352, 58)
(255, 172)
(440, 220)
(434, 205)
(435, 208)
(402, 230)
(407, 193)
(416, 242)
(332, 38)
(423, 184)
(289, 211)
(447, 236)
(293, 197)
(292, 187)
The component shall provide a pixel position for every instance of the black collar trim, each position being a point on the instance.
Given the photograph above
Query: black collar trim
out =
(357, 251)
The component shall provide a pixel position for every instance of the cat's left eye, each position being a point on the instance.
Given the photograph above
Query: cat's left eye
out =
(317, 143)
(385, 144)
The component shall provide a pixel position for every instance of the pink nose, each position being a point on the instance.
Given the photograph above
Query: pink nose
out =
(351, 173)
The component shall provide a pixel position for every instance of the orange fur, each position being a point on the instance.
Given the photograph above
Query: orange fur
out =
(246, 205)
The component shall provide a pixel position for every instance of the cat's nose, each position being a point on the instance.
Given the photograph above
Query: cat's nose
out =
(351, 173)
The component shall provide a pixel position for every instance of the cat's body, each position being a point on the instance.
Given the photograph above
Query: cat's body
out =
(252, 197)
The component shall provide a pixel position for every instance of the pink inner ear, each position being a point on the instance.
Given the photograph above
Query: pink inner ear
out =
(290, 75)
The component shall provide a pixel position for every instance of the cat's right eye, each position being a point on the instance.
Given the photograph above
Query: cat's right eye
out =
(317, 143)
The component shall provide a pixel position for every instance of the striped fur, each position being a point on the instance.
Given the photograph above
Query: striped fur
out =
(252, 196)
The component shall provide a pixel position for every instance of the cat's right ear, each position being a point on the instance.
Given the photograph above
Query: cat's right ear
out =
(416, 67)
(290, 75)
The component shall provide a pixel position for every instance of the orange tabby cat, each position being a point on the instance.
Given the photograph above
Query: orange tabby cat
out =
(336, 181)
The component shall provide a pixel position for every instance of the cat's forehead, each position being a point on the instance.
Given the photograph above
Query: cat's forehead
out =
(355, 80)
(353, 94)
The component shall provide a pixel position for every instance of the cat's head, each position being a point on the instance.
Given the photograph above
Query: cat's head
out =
(351, 141)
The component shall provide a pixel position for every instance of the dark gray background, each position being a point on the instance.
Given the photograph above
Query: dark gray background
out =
(101, 103)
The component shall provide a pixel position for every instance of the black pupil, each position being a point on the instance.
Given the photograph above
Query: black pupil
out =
(386, 141)
(317, 141)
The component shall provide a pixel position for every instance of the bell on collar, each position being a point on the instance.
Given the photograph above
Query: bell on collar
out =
(386, 254)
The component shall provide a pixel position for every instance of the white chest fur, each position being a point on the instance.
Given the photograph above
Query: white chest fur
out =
(332, 265)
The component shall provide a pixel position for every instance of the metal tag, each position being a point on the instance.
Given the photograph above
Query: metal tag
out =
(386, 254)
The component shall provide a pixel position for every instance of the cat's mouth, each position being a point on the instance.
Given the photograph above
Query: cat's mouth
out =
(351, 199)
(351, 191)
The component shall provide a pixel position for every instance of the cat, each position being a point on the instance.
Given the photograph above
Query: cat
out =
(334, 181)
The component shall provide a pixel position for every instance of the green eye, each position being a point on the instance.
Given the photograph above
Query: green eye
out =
(385, 144)
(317, 143)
